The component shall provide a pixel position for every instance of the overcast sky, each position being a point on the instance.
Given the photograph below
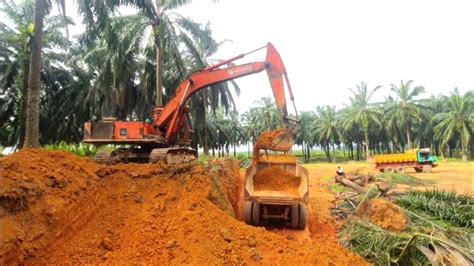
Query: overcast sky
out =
(329, 46)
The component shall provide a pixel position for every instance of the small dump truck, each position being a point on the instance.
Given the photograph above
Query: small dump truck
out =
(264, 206)
(419, 159)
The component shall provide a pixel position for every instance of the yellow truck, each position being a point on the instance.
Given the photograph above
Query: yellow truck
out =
(419, 159)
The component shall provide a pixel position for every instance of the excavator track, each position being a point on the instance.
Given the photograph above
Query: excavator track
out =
(105, 157)
(172, 155)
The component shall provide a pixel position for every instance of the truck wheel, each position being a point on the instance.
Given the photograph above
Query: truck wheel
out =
(400, 169)
(294, 216)
(303, 216)
(256, 213)
(418, 170)
(381, 170)
(427, 168)
(389, 170)
(248, 212)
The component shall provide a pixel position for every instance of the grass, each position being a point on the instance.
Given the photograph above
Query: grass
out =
(399, 178)
(81, 149)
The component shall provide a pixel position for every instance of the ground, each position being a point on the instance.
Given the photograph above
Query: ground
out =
(60, 209)
(458, 176)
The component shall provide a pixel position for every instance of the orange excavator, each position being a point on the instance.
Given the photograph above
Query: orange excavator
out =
(167, 135)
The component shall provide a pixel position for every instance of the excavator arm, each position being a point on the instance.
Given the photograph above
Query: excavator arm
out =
(170, 118)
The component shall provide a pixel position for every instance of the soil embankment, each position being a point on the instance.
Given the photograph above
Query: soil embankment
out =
(57, 208)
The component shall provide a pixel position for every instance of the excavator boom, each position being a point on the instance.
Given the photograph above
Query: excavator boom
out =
(169, 117)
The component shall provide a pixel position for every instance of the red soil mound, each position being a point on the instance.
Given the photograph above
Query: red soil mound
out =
(384, 214)
(141, 214)
(275, 178)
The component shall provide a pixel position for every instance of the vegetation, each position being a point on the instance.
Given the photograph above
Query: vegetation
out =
(399, 178)
(448, 207)
(116, 66)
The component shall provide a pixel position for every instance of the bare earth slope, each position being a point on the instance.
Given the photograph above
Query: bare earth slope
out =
(57, 208)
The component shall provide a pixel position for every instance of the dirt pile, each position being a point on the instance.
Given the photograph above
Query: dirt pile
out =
(279, 140)
(275, 178)
(383, 213)
(148, 214)
(39, 190)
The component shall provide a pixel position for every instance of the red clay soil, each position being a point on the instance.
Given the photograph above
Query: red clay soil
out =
(384, 213)
(57, 208)
(267, 141)
(275, 178)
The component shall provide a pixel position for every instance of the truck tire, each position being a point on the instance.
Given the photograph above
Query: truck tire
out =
(295, 216)
(418, 170)
(256, 214)
(427, 168)
(401, 169)
(248, 212)
(389, 170)
(302, 217)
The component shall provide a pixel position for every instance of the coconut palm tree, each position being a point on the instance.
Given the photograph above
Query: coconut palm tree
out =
(405, 109)
(327, 128)
(306, 135)
(167, 30)
(457, 122)
(362, 112)
(15, 58)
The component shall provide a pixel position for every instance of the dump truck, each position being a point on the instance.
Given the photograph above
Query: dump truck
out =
(419, 159)
(265, 206)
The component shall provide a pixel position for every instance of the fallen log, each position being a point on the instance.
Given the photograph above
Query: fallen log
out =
(346, 182)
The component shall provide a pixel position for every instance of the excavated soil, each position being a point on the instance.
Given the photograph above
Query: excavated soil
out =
(275, 178)
(267, 141)
(57, 208)
(384, 213)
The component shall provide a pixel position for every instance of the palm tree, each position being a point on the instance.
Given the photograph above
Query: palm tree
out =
(362, 111)
(405, 108)
(167, 31)
(15, 55)
(306, 134)
(34, 79)
(457, 122)
(327, 128)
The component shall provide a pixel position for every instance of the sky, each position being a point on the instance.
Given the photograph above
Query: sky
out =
(330, 46)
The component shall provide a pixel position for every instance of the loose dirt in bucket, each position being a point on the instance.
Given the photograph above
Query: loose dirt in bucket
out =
(269, 140)
(275, 178)
(384, 214)
(136, 214)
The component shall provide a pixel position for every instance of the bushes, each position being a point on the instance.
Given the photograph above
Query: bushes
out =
(80, 149)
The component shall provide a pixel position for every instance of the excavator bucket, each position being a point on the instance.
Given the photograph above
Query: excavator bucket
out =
(277, 140)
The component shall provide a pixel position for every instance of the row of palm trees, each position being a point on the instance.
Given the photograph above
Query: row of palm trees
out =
(115, 67)
(362, 128)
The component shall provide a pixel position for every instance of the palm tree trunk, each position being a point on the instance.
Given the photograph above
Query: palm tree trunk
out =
(24, 104)
(366, 135)
(159, 86)
(408, 135)
(34, 80)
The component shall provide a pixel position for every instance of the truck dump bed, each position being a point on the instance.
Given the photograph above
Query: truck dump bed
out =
(276, 189)
(279, 197)
(408, 156)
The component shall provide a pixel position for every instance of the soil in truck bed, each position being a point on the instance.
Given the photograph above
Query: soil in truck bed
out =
(275, 178)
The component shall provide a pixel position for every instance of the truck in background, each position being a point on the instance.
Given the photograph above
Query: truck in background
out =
(419, 159)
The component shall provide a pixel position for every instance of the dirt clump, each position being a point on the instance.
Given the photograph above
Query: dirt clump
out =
(275, 178)
(267, 140)
(384, 213)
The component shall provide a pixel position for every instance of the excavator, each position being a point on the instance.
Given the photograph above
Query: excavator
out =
(167, 136)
